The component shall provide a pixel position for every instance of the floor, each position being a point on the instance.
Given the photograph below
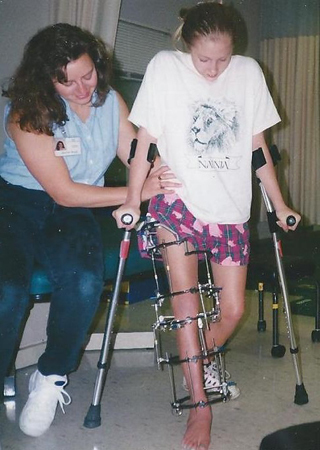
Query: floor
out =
(135, 407)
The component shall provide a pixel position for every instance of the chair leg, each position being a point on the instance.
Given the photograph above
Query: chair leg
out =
(9, 389)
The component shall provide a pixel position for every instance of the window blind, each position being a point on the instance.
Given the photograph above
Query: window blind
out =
(135, 46)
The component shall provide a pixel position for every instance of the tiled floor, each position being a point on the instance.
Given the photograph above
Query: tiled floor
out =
(136, 412)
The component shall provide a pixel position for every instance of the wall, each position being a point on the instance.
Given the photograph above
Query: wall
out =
(20, 19)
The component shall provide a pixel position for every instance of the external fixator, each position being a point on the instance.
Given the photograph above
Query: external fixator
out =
(204, 355)
(201, 404)
(217, 393)
(209, 312)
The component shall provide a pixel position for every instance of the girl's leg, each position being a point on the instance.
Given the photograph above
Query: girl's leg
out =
(232, 280)
(73, 257)
(184, 275)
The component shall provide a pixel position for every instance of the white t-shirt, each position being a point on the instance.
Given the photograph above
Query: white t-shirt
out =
(204, 130)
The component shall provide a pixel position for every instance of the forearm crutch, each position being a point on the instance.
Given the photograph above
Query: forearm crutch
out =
(258, 160)
(93, 417)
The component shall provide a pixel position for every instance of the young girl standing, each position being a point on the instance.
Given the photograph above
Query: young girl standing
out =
(206, 109)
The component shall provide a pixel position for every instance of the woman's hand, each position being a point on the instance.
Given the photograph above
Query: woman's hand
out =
(283, 214)
(160, 181)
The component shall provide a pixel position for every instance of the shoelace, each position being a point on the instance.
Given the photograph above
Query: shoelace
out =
(63, 401)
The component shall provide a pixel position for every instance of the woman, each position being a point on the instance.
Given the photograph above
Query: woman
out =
(206, 109)
(60, 92)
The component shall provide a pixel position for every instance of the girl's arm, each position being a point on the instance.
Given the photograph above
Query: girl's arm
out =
(267, 175)
(151, 185)
(139, 169)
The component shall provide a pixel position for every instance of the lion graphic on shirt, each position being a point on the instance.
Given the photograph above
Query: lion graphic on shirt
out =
(214, 127)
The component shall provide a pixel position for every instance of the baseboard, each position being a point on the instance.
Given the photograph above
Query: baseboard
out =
(29, 355)
(124, 341)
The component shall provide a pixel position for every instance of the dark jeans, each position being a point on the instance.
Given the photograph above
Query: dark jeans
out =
(67, 243)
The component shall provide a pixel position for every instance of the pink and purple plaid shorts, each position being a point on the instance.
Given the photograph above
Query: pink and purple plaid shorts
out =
(228, 243)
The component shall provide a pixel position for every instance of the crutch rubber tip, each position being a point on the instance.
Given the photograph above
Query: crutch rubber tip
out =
(315, 336)
(301, 397)
(261, 325)
(93, 417)
(278, 351)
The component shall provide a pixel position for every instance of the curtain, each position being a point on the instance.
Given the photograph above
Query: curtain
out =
(290, 57)
(98, 16)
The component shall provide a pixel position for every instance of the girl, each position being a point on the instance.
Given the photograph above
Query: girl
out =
(206, 109)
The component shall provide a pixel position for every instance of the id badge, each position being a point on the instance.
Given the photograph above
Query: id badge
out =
(68, 146)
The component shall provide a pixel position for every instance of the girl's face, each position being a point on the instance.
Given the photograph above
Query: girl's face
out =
(81, 81)
(211, 54)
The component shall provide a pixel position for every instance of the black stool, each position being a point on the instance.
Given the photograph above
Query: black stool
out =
(298, 437)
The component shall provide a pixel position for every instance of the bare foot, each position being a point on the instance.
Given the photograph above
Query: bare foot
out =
(197, 435)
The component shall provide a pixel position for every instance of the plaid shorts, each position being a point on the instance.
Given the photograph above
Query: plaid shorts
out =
(228, 244)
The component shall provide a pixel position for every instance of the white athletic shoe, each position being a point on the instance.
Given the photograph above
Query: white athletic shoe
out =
(234, 391)
(212, 381)
(39, 411)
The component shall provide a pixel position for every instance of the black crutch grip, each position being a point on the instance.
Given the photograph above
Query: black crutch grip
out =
(132, 150)
(152, 153)
(291, 220)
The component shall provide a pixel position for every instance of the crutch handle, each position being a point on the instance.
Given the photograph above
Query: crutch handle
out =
(291, 220)
(127, 219)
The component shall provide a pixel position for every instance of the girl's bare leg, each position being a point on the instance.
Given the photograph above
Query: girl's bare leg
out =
(232, 280)
(184, 275)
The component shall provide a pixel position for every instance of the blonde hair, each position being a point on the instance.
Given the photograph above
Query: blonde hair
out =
(203, 19)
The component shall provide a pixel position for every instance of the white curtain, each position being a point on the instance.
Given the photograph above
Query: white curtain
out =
(290, 55)
(294, 63)
(98, 16)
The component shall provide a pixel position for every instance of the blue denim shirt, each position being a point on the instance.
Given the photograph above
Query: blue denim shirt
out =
(99, 142)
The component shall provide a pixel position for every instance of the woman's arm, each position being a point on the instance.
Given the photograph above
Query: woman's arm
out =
(37, 152)
(267, 175)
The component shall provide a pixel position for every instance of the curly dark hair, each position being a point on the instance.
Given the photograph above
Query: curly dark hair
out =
(35, 104)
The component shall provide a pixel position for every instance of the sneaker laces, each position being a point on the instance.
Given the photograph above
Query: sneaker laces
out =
(56, 391)
(64, 398)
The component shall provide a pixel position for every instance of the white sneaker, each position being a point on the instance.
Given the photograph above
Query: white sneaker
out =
(212, 382)
(234, 391)
(211, 375)
(39, 411)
